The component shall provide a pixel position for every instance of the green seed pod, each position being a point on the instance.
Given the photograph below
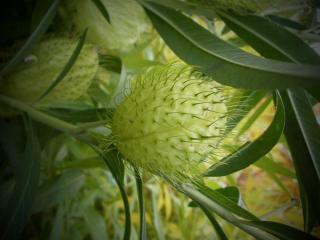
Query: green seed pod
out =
(172, 121)
(32, 77)
(128, 23)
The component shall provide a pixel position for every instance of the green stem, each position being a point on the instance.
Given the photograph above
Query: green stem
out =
(226, 215)
(38, 115)
(50, 120)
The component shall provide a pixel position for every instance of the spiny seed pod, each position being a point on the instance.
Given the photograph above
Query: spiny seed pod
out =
(172, 121)
(31, 78)
(128, 23)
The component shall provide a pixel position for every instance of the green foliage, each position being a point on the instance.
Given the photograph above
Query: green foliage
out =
(128, 138)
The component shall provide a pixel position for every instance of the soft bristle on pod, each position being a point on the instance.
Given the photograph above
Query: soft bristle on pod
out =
(172, 121)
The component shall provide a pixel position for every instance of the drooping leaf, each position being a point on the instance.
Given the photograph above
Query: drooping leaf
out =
(143, 224)
(287, 22)
(307, 123)
(252, 151)
(281, 231)
(57, 226)
(224, 62)
(39, 10)
(214, 223)
(102, 8)
(204, 196)
(306, 174)
(116, 167)
(271, 40)
(214, 203)
(289, 47)
(18, 209)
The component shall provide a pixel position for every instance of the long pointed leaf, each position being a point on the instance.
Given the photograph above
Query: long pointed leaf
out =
(224, 62)
(102, 8)
(280, 48)
(116, 167)
(143, 224)
(20, 203)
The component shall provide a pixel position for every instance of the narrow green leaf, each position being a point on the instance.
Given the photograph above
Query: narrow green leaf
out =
(96, 224)
(203, 196)
(157, 221)
(254, 116)
(271, 41)
(287, 22)
(68, 66)
(143, 224)
(290, 47)
(269, 165)
(225, 202)
(116, 167)
(102, 8)
(252, 151)
(34, 37)
(212, 203)
(81, 116)
(224, 62)
(214, 223)
(307, 123)
(20, 203)
(57, 226)
(281, 231)
(58, 190)
(306, 174)
(40, 9)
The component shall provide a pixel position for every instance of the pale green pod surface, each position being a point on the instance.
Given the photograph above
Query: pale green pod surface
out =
(33, 77)
(172, 121)
(128, 25)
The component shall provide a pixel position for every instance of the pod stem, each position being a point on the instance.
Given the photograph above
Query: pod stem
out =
(74, 130)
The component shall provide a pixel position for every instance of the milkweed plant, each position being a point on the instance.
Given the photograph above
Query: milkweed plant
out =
(147, 119)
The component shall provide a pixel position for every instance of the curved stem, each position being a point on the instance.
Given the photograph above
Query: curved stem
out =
(50, 120)
(228, 216)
